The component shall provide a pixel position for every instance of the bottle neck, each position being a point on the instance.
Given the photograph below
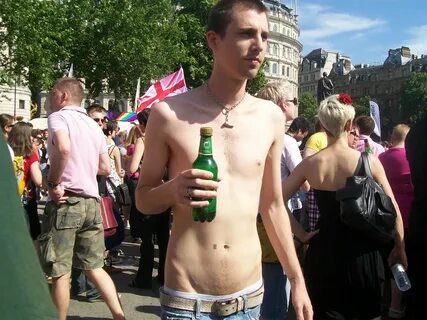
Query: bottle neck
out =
(205, 147)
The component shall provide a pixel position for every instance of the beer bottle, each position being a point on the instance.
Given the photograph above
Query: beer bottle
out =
(205, 161)
(368, 148)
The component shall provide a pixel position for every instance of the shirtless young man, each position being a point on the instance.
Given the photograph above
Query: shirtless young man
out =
(221, 260)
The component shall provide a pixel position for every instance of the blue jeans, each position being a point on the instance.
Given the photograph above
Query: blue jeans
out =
(276, 292)
(80, 284)
(117, 238)
(177, 314)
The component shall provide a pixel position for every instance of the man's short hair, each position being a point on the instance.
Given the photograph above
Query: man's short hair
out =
(73, 86)
(143, 116)
(220, 14)
(96, 107)
(366, 125)
(399, 133)
(299, 123)
(274, 91)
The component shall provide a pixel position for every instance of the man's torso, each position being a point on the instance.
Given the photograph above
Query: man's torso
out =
(223, 256)
(86, 144)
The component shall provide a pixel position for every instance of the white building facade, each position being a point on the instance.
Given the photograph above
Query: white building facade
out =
(284, 49)
(16, 101)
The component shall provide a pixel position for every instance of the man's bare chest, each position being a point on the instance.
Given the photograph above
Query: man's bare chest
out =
(240, 150)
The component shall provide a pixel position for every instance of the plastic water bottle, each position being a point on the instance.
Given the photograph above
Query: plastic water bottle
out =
(401, 278)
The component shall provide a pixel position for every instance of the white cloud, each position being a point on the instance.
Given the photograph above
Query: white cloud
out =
(417, 41)
(319, 24)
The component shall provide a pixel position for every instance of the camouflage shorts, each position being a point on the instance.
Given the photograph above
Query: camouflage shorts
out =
(72, 235)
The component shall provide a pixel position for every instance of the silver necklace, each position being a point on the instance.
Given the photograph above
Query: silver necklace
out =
(225, 111)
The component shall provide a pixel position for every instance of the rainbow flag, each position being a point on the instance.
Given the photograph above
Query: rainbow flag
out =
(126, 116)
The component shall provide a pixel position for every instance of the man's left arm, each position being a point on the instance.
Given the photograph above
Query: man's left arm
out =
(276, 223)
(59, 155)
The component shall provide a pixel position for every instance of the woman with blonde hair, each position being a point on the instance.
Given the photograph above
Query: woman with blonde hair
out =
(344, 272)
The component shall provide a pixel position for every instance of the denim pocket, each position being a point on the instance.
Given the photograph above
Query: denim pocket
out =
(176, 314)
(69, 215)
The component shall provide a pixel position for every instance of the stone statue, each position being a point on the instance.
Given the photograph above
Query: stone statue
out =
(325, 88)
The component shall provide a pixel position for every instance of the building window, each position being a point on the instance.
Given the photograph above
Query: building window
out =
(267, 67)
(274, 68)
(287, 72)
(283, 70)
(275, 27)
(276, 49)
(21, 104)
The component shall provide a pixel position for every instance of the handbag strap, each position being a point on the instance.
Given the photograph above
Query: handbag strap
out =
(113, 186)
(366, 165)
(358, 167)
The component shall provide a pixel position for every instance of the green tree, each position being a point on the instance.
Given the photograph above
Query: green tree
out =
(361, 106)
(414, 97)
(256, 84)
(192, 17)
(307, 106)
(126, 40)
(33, 42)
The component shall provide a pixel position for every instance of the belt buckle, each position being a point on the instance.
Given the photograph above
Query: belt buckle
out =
(225, 308)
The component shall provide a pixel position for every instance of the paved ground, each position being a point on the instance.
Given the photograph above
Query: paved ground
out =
(137, 303)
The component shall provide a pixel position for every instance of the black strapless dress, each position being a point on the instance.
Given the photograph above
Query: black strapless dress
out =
(343, 274)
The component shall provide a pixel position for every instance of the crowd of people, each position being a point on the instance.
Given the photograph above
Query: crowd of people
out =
(277, 235)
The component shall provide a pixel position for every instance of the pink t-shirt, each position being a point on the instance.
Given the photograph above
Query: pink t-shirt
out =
(87, 142)
(398, 173)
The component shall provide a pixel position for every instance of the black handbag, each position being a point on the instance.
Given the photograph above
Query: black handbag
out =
(365, 208)
(121, 193)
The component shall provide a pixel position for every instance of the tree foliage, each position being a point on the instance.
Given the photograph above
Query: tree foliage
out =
(361, 106)
(307, 106)
(414, 98)
(110, 43)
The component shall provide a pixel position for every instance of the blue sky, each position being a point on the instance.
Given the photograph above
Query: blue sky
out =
(363, 29)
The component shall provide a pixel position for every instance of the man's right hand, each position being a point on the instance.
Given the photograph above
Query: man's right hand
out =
(195, 187)
(57, 194)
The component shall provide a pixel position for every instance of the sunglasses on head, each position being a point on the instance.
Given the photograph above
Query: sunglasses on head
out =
(103, 120)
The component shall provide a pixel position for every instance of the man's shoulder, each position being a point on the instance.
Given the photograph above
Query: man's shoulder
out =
(290, 140)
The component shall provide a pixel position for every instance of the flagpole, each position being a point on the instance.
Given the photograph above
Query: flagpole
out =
(138, 88)
(71, 71)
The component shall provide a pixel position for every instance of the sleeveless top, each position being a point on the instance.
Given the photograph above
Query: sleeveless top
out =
(113, 177)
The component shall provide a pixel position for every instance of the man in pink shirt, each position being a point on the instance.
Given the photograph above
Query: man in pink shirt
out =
(72, 226)
(366, 127)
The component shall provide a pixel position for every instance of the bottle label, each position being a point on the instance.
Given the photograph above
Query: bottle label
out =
(206, 146)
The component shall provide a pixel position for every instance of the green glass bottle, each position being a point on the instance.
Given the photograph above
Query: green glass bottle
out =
(368, 148)
(205, 161)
